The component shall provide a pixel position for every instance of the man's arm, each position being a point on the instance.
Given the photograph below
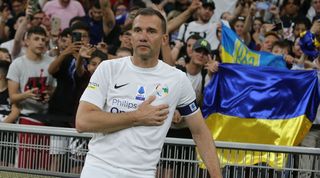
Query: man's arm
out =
(91, 118)
(16, 96)
(202, 137)
(72, 49)
(176, 22)
(108, 18)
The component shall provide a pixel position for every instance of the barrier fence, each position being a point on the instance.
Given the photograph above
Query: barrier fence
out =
(60, 152)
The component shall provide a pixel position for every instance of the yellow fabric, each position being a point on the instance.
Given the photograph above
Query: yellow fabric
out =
(288, 132)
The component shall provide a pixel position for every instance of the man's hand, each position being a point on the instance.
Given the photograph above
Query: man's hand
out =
(195, 4)
(86, 51)
(149, 115)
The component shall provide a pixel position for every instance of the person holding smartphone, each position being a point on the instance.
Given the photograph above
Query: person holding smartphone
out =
(62, 104)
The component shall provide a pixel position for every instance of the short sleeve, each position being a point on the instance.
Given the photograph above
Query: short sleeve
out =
(96, 91)
(14, 72)
(187, 101)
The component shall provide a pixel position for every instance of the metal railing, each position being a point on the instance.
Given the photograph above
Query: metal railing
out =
(60, 152)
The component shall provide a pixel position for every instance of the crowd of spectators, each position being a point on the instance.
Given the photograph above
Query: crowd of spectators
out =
(53, 46)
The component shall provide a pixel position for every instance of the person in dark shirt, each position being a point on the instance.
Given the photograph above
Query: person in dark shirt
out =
(101, 20)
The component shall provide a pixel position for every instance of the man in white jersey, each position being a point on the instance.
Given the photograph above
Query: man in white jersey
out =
(129, 104)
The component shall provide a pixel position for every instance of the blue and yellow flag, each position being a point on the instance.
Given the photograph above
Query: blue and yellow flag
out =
(235, 51)
(262, 105)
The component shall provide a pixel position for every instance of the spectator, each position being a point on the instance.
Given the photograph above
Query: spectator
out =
(64, 9)
(269, 39)
(5, 55)
(100, 20)
(202, 26)
(29, 82)
(62, 103)
(30, 86)
(8, 114)
(314, 10)
(123, 52)
(18, 10)
(4, 17)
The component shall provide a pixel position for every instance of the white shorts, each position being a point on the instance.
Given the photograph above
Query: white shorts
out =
(58, 145)
(99, 169)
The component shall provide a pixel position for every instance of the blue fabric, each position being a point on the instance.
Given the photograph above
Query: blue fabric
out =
(262, 92)
(235, 51)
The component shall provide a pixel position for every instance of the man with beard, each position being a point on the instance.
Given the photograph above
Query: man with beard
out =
(202, 26)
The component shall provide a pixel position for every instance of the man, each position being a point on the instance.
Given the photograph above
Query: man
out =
(202, 26)
(64, 9)
(131, 115)
(30, 86)
(100, 20)
(62, 68)
(269, 39)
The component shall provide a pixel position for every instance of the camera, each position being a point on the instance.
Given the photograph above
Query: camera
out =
(76, 36)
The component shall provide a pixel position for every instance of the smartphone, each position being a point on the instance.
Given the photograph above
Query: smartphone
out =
(278, 26)
(76, 36)
(55, 25)
(35, 6)
(263, 5)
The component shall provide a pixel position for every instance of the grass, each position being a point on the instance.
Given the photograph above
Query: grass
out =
(4, 174)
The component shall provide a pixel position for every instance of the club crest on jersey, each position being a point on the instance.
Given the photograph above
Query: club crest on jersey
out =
(141, 93)
(162, 90)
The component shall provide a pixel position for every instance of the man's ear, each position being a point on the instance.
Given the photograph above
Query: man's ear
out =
(165, 38)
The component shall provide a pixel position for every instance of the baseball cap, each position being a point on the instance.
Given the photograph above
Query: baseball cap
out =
(202, 44)
(208, 3)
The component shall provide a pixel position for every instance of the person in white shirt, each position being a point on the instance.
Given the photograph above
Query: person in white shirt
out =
(129, 104)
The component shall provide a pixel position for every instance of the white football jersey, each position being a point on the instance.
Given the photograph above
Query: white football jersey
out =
(119, 86)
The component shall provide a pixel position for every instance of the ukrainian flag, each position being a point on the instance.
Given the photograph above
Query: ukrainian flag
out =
(262, 105)
(235, 51)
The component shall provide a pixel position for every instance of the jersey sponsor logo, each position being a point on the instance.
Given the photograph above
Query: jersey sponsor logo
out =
(122, 105)
(119, 86)
(162, 90)
(141, 93)
(92, 85)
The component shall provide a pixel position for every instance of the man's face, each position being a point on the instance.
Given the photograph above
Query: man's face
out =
(316, 5)
(190, 44)
(36, 43)
(96, 14)
(147, 36)
(205, 13)
(199, 56)
(299, 28)
(268, 42)
(64, 42)
(17, 7)
(4, 56)
(125, 39)
(84, 35)
(37, 19)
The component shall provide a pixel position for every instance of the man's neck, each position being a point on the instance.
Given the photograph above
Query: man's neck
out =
(32, 56)
(192, 68)
(144, 63)
(63, 4)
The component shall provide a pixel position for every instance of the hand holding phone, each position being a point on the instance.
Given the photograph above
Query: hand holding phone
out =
(34, 5)
(76, 37)
(55, 25)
